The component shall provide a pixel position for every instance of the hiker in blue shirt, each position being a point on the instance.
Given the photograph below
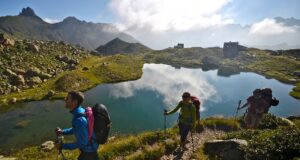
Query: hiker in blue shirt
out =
(88, 148)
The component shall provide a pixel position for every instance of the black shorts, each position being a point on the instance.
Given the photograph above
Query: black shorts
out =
(88, 156)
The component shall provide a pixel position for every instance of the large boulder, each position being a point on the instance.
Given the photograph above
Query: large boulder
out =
(47, 146)
(5, 40)
(33, 71)
(231, 149)
(43, 75)
(17, 80)
(33, 47)
(19, 71)
(35, 80)
(9, 72)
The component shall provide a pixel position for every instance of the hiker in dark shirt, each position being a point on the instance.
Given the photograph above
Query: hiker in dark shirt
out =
(257, 105)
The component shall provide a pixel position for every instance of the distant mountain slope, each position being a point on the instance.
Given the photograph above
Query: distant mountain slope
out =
(118, 46)
(89, 35)
(288, 21)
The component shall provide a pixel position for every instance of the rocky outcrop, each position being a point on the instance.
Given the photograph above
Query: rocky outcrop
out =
(33, 71)
(231, 149)
(31, 62)
(17, 80)
(67, 60)
(6, 41)
(34, 80)
(33, 47)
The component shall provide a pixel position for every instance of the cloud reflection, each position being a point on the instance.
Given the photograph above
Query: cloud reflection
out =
(169, 83)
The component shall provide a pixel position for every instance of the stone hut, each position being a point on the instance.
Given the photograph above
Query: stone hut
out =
(179, 45)
(232, 49)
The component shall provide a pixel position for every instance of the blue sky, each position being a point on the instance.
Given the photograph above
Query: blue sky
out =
(193, 22)
(88, 10)
(242, 11)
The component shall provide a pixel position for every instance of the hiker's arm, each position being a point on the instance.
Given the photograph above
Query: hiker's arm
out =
(67, 131)
(81, 136)
(175, 109)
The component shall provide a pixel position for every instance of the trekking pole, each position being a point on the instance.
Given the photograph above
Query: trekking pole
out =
(59, 140)
(165, 122)
(192, 140)
(237, 109)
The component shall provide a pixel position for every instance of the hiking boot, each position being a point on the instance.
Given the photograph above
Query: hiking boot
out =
(184, 148)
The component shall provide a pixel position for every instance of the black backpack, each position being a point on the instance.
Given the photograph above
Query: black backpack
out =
(102, 123)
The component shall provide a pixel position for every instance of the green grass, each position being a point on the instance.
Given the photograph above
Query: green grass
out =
(152, 145)
(223, 124)
(296, 91)
(148, 145)
(119, 68)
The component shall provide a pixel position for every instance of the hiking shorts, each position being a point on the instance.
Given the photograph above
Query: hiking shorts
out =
(88, 156)
(184, 131)
(253, 119)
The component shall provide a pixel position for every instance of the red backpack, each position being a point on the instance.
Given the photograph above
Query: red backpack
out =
(197, 104)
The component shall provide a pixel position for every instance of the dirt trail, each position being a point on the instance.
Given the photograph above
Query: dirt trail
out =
(198, 138)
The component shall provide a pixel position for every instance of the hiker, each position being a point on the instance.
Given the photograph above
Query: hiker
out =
(88, 148)
(257, 105)
(186, 119)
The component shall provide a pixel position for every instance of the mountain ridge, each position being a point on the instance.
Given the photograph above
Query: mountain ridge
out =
(117, 45)
(72, 30)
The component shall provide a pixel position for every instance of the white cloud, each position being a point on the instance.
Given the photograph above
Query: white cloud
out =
(162, 15)
(168, 85)
(270, 27)
(48, 20)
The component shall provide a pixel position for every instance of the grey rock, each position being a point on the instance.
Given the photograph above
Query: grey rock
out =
(10, 72)
(33, 47)
(47, 146)
(13, 100)
(296, 73)
(19, 71)
(35, 80)
(33, 71)
(231, 149)
(50, 93)
(14, 88)
(18, 80)
(43, 75)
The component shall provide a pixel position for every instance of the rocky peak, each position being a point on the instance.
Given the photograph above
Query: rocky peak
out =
(27, 12)
(71, 19)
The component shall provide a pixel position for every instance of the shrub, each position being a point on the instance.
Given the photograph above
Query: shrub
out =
(270, 121)
(281, 143)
